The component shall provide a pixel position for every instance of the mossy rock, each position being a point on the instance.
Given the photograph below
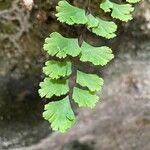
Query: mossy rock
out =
(5, 4)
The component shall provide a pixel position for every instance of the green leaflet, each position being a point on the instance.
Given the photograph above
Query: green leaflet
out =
(105, 29)
(101, 27)
(96, 55)
(50, 87)
(92, 22)
(133, 1)
(59, 46)
(70, 14)
(92, 81)
(59, 114)
(73, 15)
(55, 69)
(84, 98)
(119, 11)
(106, 5)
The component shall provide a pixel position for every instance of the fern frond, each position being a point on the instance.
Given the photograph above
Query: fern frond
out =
(59, 72)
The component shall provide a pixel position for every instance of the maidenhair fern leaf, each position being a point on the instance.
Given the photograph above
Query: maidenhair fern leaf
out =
(59, 114)
(105, 29)
(92, 81)
(122, 12)
(50, 87)
(70, 14)
(56, 69)
(92, 21)
(85, 98)
(106, 5)
(60, 46)
(133, 1)
(119, 11)
(96, 55)
(59, 71)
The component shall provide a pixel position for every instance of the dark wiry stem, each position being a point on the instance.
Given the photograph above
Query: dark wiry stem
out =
(72, 80)
(83, 28)
(87, 7)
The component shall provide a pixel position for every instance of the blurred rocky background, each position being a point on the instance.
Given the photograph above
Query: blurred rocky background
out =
(121, 120)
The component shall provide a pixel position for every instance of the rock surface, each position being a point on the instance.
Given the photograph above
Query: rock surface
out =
(120, 121)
